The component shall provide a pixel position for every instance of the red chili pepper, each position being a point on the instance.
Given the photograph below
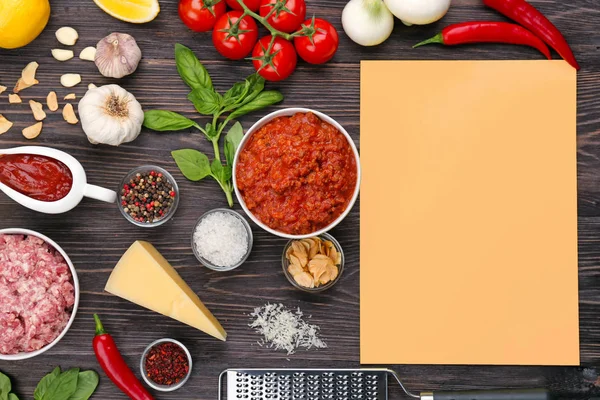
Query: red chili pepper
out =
(115, 367)
(487, 32)
(527, 15)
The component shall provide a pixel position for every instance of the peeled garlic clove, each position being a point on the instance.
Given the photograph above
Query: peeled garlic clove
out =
(67, 35)
(70, 96)
(117, 55)
(14, 99)
(69, 114)
(5, 124)
(52, 101)
(62, 55)
(38, 110)
(33, 131)
(70, 80)
(110, 115)
(88, 54)
(2, 88)
(92, 86)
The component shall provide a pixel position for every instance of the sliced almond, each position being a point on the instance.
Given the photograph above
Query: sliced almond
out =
(14, 99)
(28, 73)
(33, 131)
(62, 55)
(5, 124)
(70, 96)
(21, 85)
(70, 80)
(2, 89)
(52, 101)
(88, 54)
(38, 110)
(67, 35)
(69, 114)
(92, 86)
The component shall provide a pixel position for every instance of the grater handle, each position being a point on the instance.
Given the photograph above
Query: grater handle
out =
(504, 394)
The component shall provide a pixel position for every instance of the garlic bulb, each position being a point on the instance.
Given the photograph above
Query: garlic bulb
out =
(110, 115)
(117, 55)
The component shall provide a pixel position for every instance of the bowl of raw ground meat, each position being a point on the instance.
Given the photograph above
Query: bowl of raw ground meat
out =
(39, 293)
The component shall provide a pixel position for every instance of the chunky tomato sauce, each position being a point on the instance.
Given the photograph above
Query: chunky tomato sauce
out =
(297, 174)
(39, 177)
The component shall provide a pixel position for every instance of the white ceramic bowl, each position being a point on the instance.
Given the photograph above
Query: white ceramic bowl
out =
(27, 232)
(289, 112)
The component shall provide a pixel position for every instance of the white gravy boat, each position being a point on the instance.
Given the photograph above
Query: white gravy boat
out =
(79, 190)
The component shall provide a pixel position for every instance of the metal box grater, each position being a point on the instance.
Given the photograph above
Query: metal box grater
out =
(304, 384)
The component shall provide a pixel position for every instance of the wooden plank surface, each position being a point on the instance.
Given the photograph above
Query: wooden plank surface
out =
(95, 235)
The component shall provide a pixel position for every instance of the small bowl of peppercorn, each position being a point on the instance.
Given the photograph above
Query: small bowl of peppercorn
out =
(166, 365)
(149, 196)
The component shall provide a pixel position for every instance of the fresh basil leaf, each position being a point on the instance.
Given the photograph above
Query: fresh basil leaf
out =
(256, 84)
(86, 385)
(211, 131)
(12, 396)
(162, 120)
(232, 141)
(237, 92)
(42, 386)
(206, 101)
(262, 100)
(63, 386)
(190, 69)
(220, 172)
(193, 164)
(5, 386)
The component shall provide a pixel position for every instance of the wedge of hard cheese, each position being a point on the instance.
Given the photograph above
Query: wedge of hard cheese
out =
(144, 277)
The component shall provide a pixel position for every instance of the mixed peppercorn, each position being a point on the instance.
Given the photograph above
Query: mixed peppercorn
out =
(167, 364)
(147, 197)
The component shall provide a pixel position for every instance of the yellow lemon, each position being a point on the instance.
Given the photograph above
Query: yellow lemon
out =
(21, 21)
(135, 11)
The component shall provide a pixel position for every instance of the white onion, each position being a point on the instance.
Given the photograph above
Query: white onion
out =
(418, 12)
(367, 22)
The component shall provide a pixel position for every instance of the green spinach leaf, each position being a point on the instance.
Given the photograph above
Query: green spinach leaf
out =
(12, 396)
(5, 386)
(42, 386)
(63, 386)
(162, 120)
(232, 141)
(193, 164)
(86, 385)
(207, 102)
(190, 69)
(262, 100)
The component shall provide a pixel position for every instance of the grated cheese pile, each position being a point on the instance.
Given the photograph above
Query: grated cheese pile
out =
(284, 329)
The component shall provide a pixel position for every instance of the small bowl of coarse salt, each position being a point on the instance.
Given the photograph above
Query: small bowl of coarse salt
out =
(222, 239)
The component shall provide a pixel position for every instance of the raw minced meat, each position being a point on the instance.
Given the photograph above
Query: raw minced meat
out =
(36, 294)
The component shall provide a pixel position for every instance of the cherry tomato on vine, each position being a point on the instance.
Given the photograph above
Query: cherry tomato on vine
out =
(279, 63)
(288, 14)
(201, 15)
(320, 42)
(235, 41)
(251, 4)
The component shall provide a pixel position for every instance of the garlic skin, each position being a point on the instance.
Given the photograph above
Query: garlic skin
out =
(117, 55)
(110, 115)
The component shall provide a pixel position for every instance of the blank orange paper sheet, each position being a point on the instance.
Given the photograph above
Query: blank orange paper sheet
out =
(469, 213)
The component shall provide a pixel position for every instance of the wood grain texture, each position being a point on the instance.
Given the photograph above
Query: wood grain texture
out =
(95, 235)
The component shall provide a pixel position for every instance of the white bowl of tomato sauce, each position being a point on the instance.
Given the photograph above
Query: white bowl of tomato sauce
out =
(296, 173)
(44, 289)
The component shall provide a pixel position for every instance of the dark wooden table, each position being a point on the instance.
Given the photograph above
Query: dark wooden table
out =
(95, 235)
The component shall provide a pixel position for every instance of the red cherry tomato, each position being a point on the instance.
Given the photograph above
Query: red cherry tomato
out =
(201, 15)
(285, 20)
(320, 43)
(237, 42)
(279, 63)
(251, 4)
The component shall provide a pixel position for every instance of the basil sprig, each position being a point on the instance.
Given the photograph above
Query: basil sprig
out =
(5, 388)
(242, 98)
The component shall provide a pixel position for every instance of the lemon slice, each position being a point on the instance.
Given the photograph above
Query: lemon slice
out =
(134, 11)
